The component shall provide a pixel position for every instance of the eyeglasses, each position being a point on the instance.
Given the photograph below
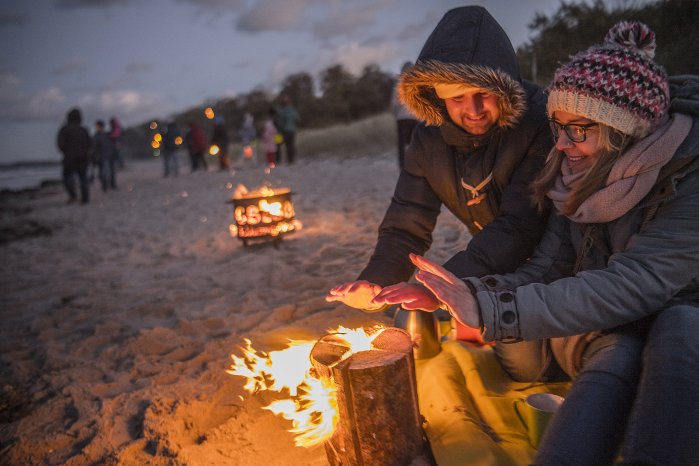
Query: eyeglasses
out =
(575, 132)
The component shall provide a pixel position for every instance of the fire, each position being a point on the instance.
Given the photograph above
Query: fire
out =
(214, 150)
(307, 401)
(274, 208)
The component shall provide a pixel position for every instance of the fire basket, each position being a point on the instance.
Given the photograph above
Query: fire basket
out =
(265, 214)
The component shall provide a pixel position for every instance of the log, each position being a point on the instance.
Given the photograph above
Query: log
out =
(379, 420)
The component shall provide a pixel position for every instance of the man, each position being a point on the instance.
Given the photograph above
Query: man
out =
(484, 136)
(73, 140)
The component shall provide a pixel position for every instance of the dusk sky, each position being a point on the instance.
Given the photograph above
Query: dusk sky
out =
(144, 59)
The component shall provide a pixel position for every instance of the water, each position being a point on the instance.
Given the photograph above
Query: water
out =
(28, 155)
(16, 177)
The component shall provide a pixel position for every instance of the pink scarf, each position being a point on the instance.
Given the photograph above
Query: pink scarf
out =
(632, 176)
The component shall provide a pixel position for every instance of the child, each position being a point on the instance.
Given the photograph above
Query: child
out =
(269, 133)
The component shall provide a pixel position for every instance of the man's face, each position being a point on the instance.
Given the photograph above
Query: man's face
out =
(475, 111)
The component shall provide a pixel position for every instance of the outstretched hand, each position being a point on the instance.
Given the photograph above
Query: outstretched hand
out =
(409, 295)
(453, 293)
(357, 294)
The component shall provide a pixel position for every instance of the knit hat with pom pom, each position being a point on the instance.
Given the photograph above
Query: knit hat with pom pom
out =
(615, 83)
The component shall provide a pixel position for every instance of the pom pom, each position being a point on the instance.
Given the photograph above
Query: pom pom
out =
(633, 35)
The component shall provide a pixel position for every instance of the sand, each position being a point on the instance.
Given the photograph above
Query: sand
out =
(119, 317)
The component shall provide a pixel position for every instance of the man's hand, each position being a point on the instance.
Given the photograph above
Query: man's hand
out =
(454, 295)
(358, 294)
(409, 295)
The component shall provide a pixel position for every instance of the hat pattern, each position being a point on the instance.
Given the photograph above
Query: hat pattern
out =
(616, 83)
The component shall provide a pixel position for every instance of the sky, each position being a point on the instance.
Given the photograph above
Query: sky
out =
(144, 59)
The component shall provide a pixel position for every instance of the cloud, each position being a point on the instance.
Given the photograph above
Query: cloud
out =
(352, 56)
(275, 15)
(345, 23)
(215, 4)
(74, 4)
(50, 104)
(72, 65)
(129, 105)
(12, 19)
(18, 105)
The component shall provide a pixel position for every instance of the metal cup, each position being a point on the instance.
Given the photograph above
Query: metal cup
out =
(535, 412)
(423, 328)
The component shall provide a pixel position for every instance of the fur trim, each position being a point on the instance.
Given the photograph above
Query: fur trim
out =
(416, 90)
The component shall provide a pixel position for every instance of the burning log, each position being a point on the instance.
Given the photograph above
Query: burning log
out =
(378, 418)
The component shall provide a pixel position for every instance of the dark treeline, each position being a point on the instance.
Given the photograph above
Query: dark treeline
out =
(576, 26)
(339, 96)
(342, 97)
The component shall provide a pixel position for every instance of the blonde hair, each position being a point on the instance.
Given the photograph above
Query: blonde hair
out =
(611, 143)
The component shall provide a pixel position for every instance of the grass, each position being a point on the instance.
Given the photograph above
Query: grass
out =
(374, 135)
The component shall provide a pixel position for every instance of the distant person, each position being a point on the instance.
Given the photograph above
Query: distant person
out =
(102, 156)
(196, 146)
(74, 142)
(287, 122)
(405, 120)
(169, 145)
(115, 133)
(219, 137)
(247, 135)
(269, 137)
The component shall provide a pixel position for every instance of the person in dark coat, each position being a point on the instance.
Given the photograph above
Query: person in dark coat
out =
(196, 145)
(405, 121)
(102, 156)
(483, 138)
(219, 137)
(171, 135)
(73, 140)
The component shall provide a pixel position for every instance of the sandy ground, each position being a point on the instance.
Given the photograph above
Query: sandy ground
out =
(119, 317)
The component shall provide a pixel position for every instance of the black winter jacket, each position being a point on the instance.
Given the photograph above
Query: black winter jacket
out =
(466, 47)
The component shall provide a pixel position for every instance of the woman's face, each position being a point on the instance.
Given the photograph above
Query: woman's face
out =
(569, 128)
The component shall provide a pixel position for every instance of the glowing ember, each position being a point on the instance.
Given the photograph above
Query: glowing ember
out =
(309, 402)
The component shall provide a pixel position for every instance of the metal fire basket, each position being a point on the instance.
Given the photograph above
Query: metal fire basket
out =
(263, 217)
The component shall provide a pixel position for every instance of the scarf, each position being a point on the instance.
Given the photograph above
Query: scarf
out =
(632, 176)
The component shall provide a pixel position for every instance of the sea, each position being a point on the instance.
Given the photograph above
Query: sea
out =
(20, 176)
(28, 155)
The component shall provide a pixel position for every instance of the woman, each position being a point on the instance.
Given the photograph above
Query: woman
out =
(611, 295)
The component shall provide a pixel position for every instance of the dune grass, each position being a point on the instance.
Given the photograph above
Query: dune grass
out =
(375, 135)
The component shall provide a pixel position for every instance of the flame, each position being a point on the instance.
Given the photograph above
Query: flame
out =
(209, 113)
(213, 150)
(311, 403)
(274, 208)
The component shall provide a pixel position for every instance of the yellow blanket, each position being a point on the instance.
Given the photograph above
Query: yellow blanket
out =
(467, 401)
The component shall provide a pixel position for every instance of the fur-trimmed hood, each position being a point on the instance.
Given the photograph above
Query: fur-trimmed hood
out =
(467, 47)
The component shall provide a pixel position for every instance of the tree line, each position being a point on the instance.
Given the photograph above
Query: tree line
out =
(341, 97)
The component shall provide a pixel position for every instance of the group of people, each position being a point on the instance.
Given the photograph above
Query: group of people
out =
(83, 155)
(279, 129)
(582, 201)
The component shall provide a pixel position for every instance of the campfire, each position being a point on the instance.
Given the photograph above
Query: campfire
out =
(352, 390)
(265, 213)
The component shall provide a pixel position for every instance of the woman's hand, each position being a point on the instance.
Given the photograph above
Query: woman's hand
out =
(357, 294)
(409, 295)
(453, 294)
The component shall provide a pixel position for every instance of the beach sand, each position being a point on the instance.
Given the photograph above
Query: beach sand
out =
(119, 317)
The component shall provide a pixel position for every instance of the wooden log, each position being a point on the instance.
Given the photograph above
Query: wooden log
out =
(379, 421)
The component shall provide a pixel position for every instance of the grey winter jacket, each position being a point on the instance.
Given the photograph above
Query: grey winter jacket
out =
(466, 47)
(637, 265)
